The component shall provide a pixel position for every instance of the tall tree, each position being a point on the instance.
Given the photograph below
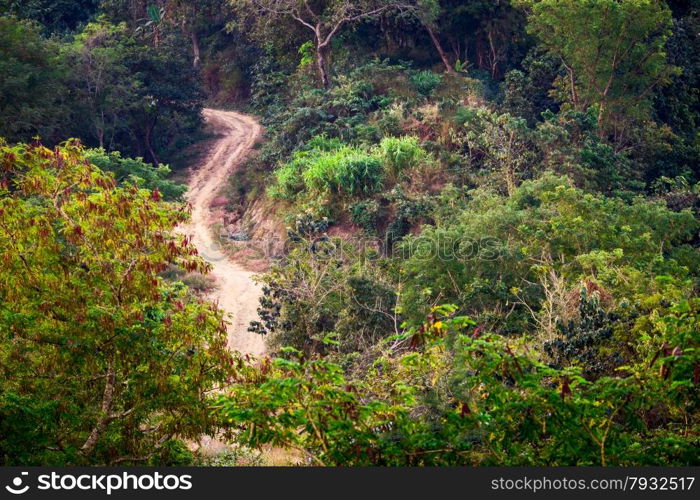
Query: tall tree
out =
(138, 99)
(151, 18)
(613, 51)
(428, 14)
(191, 18)
(104, 80)
(32, 86)
(55, 16)
(323, 18)
(101, 360)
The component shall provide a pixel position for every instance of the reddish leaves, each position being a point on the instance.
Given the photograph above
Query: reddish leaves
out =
(565, 389)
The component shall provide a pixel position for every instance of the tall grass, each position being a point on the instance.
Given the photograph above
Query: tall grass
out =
(344, 171)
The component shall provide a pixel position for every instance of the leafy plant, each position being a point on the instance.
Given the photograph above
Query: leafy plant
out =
(306, 51)
(401, 154)
(101, 360)
(425, 82)
(366, 215)
(135, 171)
(341, 172)
(461, 396)
(583, 337)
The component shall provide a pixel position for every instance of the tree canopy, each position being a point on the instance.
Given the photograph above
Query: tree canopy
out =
(102, 361)
(613, 51)
(466, 232)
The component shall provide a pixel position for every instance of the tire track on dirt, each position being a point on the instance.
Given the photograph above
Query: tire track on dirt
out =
(236, 293)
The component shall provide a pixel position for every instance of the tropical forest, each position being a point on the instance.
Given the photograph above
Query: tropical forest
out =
(349, 233)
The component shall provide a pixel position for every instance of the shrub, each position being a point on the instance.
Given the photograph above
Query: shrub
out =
(408, 212)
(462, 396)
(323, 143)
(360, 173)
(365, 214)
(400, 154)
(346, 170)
(321, 172)
(288, 180)
(136, 171)
(425, 82)
(546, 229)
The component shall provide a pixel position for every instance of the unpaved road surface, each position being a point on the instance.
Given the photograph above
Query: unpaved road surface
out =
(236, 293)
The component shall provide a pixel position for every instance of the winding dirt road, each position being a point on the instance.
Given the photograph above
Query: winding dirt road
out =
(236, 293)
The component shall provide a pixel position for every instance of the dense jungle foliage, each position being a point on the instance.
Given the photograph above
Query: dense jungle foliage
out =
(492, 211)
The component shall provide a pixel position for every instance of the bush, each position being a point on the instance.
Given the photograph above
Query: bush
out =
(350, 171)
(400, 154)
(288, 180)
(321, 173)
(425, 82)
(136, 171)
(339, 112)
(539, 244)
(408, 211)
(359, 173)
(323, 143)
(365, 214)
(463, 396)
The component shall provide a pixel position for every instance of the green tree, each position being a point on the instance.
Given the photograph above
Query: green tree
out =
(524, 253)
(149, 18)
(101, 361)
(104, 80)
(498, 143)
(448, 393)
(191, 17)
(56, 16)
(137, 99)
(32, 88)
(526, 93)
(677, 104)
(324, 19)
(428, 13)
(613, 51)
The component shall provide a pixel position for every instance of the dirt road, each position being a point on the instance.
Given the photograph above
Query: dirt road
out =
(236, 293)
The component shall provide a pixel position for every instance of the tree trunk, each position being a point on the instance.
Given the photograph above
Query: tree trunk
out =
(195, 49)
(439, 49)
(510, 180)
(105, 411)
(149, 146)
(494, 55)
(600, 121)
(321, 63)
(479, 51)
(572, 84)
(101, 130)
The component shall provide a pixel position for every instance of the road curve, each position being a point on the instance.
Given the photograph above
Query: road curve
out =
(236, 293)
